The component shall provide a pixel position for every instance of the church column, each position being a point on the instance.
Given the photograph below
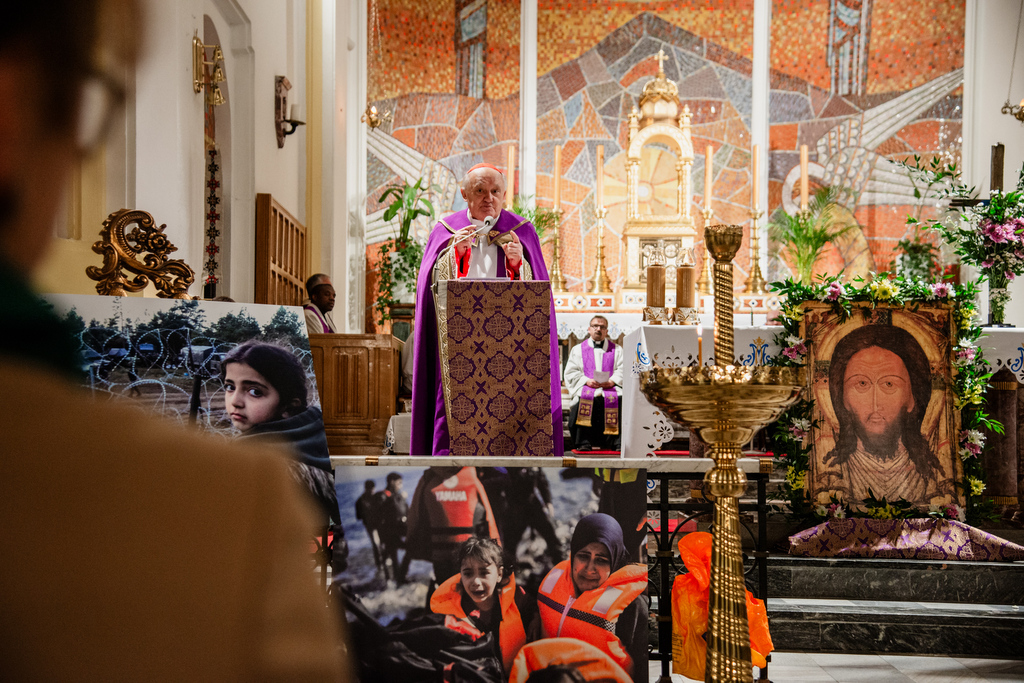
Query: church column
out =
(528, 98)
(760, 83)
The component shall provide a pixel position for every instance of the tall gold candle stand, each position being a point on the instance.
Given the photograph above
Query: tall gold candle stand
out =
(706, 278)
(755, 282)
(724, 405)
(600, 284)
(556, 277)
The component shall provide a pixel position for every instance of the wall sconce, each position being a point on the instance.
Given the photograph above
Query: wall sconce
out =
(281, 87)
(199, 62)
(372, 118)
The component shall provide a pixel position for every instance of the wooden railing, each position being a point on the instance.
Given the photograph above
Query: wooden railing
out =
(282, 261)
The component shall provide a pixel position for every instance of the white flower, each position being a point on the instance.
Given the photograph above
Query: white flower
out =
(976, 437)
(793, 340)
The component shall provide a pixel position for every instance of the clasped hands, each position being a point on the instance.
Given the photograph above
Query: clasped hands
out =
(600, 385)
(513, 249)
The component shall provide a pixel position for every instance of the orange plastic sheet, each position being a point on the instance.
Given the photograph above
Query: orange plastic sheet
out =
(690, 611)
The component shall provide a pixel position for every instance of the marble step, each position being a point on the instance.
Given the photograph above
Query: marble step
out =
(868, 626)
(993, 583)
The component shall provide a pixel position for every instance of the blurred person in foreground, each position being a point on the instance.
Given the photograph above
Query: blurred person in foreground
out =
(178, 558)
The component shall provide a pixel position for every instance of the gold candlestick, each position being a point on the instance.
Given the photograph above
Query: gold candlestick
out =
(724, 405)
(755, 283)
(600, 284)
(556, 277)
(706, 277)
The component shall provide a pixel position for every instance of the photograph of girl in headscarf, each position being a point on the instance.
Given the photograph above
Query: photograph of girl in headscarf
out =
(266, 399)
(559, 603)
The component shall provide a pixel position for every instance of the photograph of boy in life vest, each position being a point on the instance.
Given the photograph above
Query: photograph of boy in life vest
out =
(508, 571)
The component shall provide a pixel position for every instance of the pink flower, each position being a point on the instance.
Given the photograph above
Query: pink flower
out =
(941, 290)
(1010, 275)
(987, 263)
(965, 356)
(835, 290)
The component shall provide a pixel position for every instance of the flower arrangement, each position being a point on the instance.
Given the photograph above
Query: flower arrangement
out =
(989, 235)
(790, 437)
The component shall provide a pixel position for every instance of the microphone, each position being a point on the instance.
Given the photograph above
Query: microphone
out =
(485, 228)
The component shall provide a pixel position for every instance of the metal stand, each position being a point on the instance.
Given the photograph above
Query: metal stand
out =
(755, 283)
(706, 276)
(600, 284)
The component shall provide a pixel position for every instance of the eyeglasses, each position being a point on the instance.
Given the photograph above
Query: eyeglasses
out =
(100, 96)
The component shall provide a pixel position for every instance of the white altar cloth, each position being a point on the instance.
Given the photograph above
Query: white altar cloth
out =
(644, 427)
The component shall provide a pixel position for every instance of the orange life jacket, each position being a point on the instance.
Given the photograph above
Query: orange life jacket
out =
(690, 611)
(451, 506)
(447, 599)
(593, 615)
(593, 664)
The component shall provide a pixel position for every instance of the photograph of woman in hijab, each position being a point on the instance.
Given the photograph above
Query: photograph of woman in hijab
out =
(474, 586)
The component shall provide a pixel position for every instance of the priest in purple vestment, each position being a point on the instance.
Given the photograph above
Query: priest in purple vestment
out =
(593, 376)
(483, 241)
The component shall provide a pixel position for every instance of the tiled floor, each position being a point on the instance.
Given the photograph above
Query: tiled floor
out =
(798, 667)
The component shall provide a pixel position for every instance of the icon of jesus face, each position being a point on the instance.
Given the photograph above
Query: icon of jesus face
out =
(877, 391)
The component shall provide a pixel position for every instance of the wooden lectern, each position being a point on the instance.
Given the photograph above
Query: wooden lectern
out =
(357, 376)
(494, 339)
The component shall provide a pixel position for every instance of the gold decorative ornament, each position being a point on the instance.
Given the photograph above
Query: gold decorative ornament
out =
(199, 63)
(724, 405)
(121, 250)
(659, 137)
(372, 118)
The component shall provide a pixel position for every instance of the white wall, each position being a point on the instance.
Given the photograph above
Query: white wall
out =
(991, 29)
(261, 39)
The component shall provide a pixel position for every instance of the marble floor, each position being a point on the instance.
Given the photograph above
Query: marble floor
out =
(800, 667)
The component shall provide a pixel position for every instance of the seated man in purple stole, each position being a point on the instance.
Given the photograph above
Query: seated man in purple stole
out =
(321, 303)
(593, 373)
(483, 241)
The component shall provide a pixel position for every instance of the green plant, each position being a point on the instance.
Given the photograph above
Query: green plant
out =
(545, 220)
(803, 235)
(400, 256)
(918, 258)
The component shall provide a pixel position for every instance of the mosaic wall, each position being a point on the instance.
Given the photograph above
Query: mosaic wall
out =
(593, 60)
(448, 73)
(863, 83)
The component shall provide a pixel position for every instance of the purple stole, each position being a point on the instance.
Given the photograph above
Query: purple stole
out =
(611, 396)
(319, 317)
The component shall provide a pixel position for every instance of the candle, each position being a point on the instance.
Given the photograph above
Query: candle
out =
(600, 178)
(755, 190)
(510, 190)
(709, 162)
(685, 292)
(296, 113)
(656, 286)
(700, 344)
(804, 186)
(558, 177)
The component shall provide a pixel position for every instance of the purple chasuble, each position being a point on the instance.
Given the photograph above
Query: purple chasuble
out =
(429, 422)
(611, 396)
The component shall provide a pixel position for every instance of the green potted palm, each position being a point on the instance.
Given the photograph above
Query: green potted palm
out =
(400, 255)
(803, 236)
(545, 220)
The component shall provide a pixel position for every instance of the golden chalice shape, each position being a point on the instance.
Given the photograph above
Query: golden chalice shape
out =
(724, 405)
